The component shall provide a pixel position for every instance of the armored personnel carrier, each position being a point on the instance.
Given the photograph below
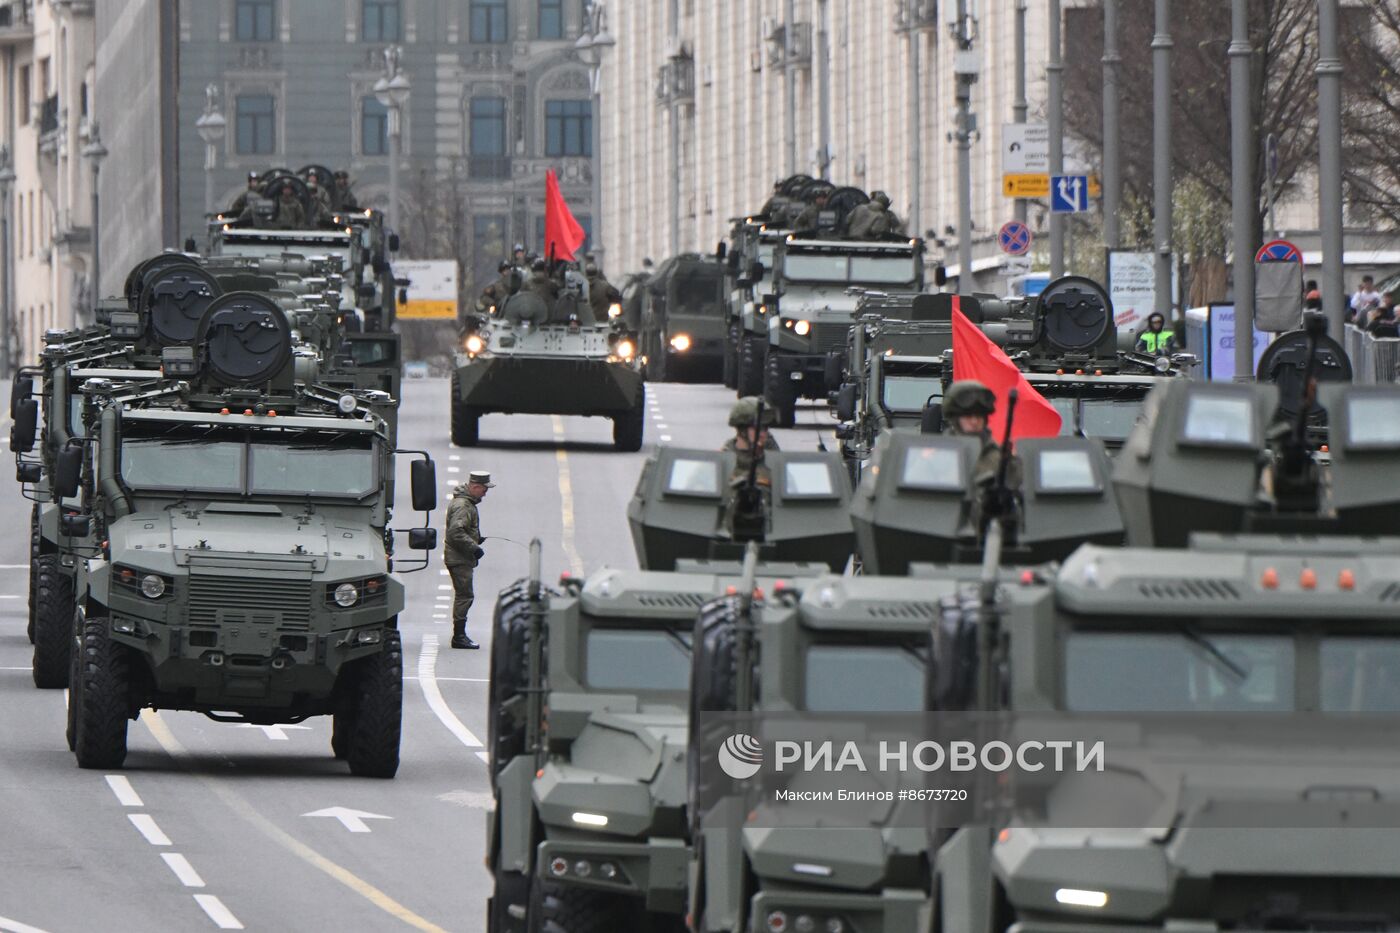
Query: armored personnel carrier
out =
(226, 468)
(589, 686)
(682, 323)
(541, 358)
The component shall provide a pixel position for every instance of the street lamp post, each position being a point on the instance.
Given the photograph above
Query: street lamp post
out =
(95, 152)
(392, 91)
(7, 180)
(211, 125)
(591, 45)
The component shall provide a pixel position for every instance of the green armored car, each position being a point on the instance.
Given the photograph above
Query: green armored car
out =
(682, 323)
(245, 564)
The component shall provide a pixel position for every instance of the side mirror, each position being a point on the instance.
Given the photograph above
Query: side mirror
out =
(21, 389)
(26, 425)
(403, 296)
(422, 539)
(29, 472)
(393, 242)
(75, 526)
(846, 402)
(366, 291)
(423, 482)
(721, 251)
(755, 271)
(68, 471)
(931, 421)
(940, 275)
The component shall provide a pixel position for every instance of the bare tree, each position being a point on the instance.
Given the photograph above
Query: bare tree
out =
(437, 226)
(1372, 157)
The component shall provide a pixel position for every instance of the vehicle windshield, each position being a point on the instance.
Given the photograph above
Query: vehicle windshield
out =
(908, 393)
(220, 461)
(698, 292)
(637, 659)
(883, 270)
(863, 678)
(1109, 413)
(863, 270)
(1110, 419)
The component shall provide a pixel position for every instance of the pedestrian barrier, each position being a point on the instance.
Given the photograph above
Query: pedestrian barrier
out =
(1373, 359)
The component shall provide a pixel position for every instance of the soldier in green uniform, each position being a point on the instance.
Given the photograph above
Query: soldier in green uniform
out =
(810, 218)
(320, 201)
(966, 407)
(749, 443)
(541, 284)
(290, 214)
(463, 550)
(247, 195)
(601, 294)
(343, 197)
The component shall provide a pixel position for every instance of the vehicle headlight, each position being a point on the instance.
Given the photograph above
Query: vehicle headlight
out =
(1163, 364)
(346, 595)
(347, 404)
(625, 349)
(680, 343)
(614, 310)
(475, 344)
(152, 586)
(802, 328)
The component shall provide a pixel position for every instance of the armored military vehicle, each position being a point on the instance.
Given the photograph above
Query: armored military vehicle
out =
(227, 468)
(588, 830)
(682, 325)
(549, 358)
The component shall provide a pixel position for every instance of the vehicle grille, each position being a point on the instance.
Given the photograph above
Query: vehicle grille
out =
(828, 337)
(285, 603)
(672, 600)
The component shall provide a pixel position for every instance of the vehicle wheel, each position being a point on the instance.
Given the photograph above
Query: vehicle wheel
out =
(512, 890)
(342, 725)
(102, 698)
(752, 351)
(729, 372)
(373, 749)
(53, 624)
(34, 548)
(75, 682)
(465, 421)
(567, 908)
(628, 429)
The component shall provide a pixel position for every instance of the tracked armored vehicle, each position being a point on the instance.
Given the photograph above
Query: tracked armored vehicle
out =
(227, 468)
(541, 359)
(590, 685)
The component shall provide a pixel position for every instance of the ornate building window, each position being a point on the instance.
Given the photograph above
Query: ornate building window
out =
(568, 128)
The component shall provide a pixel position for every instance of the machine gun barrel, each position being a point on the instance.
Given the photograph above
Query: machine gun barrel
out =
(743, 637)
(989, 621)
(534, 713)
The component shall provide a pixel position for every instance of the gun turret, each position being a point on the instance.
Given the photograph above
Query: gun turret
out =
(1295, 472)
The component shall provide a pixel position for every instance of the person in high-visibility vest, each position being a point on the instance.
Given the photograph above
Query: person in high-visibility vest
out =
(1156, 340)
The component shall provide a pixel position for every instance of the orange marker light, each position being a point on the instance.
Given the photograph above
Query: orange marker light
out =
(1027, 577)
(1079, 372)
(731, 590)
(1270, 579)
(1059, 372)
(1308, 579)
(1098, 372)
(1004, 835)
(272, 413)
(1346, 580)
(1325, 448)
(248, 411)
(223, 411)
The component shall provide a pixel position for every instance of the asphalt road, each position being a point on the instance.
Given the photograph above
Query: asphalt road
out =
(222, 826)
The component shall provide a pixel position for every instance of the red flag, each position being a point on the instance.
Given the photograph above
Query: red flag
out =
(562, 233)
(976, 357)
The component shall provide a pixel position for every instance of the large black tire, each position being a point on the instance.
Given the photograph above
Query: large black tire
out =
(568, 908)
(512, 890)
(752, 352)
(102, 697)
(780, 394)
(466, 421)
(377, 725)
(510, 673)
(34, 549)
(628, 429)
(729, 372)
(53, 623)
(714, 673)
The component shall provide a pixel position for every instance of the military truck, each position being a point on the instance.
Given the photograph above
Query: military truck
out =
(682, 325)
(589, 685)
(1261, 591)
(541, 358)
(223, 469)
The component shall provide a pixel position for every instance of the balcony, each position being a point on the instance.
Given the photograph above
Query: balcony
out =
(489, 167)
(16, 22)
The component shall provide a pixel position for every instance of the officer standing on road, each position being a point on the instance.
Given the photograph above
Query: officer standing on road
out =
(464, 550)
(966, 407)
(1156, 339)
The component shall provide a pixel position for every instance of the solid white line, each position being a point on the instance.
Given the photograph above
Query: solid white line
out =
(14, 926)
(223, 918)
(9, 597)
(25, 668)
(453, 680)
(126, 794)
(148, 828)
(14, 566)
(484, 756)
(427, 681)
(183, 869)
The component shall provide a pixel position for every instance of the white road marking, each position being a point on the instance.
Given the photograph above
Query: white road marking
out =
(183, 869)
(14, 566)
(472, 799)
(454, 469)
(353, 820)
(126, 794)
(444, 573)
(453, 680)
(444, 586)
(666, 438)
(14, 926)
(223, 917)
(484, 756)
(275, 733)
(25, 668)
(664, 427)
(453, 457)
(7, 596)
(148, 828)
(427, 681)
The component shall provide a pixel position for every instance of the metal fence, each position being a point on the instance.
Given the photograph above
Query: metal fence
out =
(1373, 359)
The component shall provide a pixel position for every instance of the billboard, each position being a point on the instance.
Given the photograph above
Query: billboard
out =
(432, 289)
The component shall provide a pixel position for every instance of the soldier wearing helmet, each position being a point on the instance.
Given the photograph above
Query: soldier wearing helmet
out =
(541, 284)
(967, 406)
(601, 293)
(873, 220)
(245, 197)
(750, 442)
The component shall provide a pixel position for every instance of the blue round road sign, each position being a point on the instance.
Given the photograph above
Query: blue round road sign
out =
(1015, 238)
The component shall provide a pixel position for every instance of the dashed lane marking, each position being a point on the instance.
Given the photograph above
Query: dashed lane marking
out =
(239, 805)
(566, 499)
(453, 680)
(223, 917)
(146, 825)
(427, 682)
(183, 869)
(454, 457)
(666, 438)
(14, 926)
(126, 794)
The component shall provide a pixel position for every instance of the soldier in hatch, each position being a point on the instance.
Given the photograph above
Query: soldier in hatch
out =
(464, 550)
(873, 220)
(967, 406)
(245, 197)
(541, 284)
(320, 201)
(810, 218)
(495, 294)
(290, 214)
(750, 442)
(343, 197)
(601, 294)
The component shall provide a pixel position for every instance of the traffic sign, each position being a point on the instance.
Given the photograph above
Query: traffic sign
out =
(1069, 194)
(1038, 186)
(1278, 251)
(1016, 265)
(1015, 238)
(1025, 148)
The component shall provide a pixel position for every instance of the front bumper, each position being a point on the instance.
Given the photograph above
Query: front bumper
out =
(549, 385)
(894, 910)
(655, 870)
(801, 374)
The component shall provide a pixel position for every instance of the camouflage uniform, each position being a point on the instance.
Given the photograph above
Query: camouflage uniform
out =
(601, 294)
(240, 203)
(541, 284)
(873, 220)
(461, 553)
(810, 218)
(741, 416)
(290, 214)
(320, 206)
(969, 397)
(344, 198)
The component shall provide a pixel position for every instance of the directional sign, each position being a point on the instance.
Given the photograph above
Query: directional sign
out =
(353, 820)
(1037, 186)
(1015, 238)
(1278, 251)
(1025, 148)
(1069, 194)
(432, 288)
